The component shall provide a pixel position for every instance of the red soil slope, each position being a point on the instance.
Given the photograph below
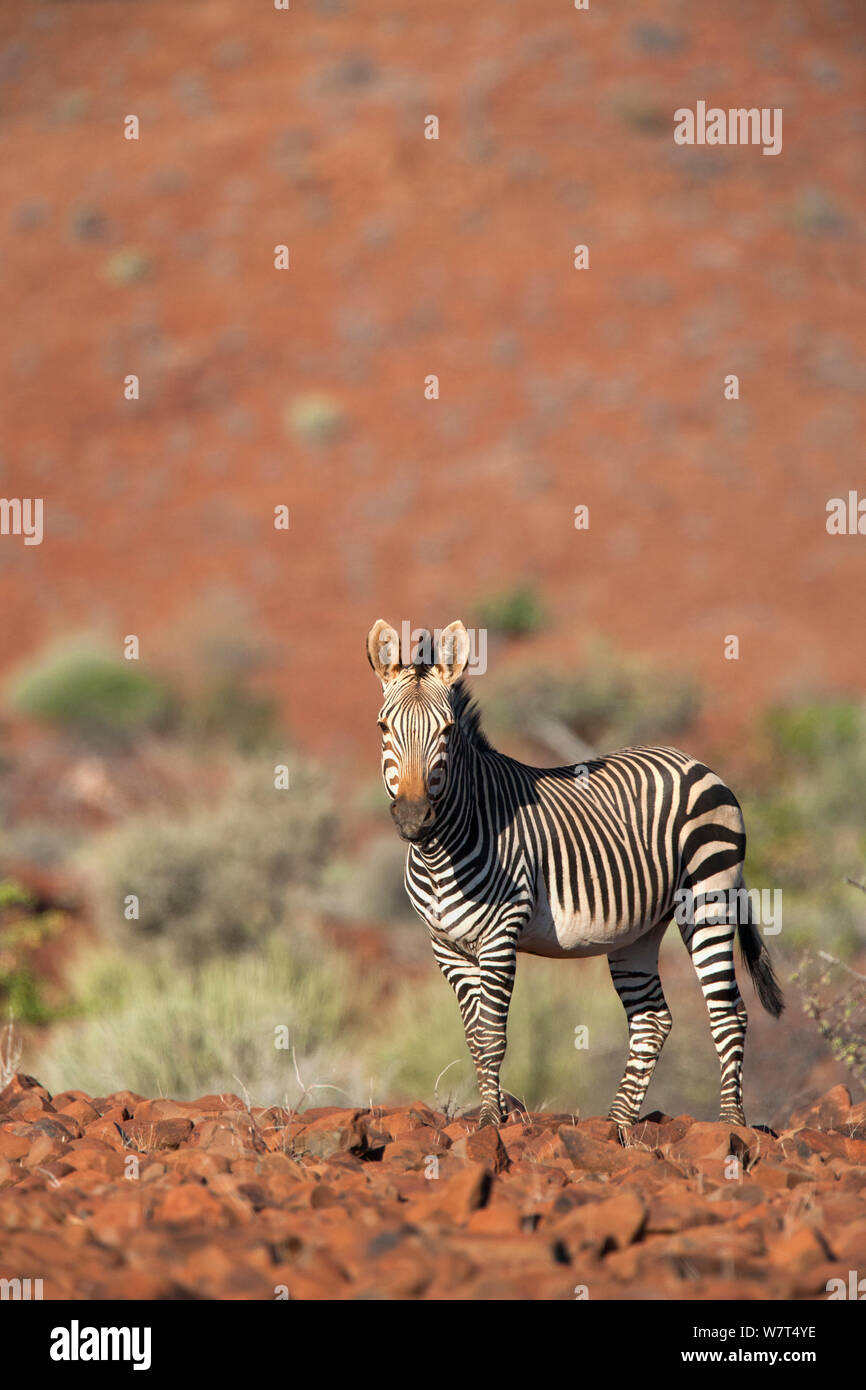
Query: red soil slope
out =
(454, 257)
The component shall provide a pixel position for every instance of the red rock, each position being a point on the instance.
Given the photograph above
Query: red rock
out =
(811, 1143)
(64, 1099)
(399, 1122)
(458, 1129)
(830, 1111)
(21, 1085)
(613, 1223)
(496, 1220)
(409, 1155)
(855, 1150)
(711, 1140)
(802, 1247)
(652, 1134)
(42, 1149)
(327, 1134)
(457, 1197)
(147, 1136)
(13, 1145)
(30, 1105)
(96, 1160)
(189, 1203)
(118, 1100)
(195, 1163)
(79, 1110)
(779, 1177)
(595, 1155)
(60, 1127)
(233, 1135)
(484, 1146)
(597, 1127)
(147, 1111)
(850, 1243)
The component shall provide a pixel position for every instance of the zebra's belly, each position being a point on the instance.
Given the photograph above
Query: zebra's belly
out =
(553, 932)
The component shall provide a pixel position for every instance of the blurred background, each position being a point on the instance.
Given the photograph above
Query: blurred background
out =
(304, 388)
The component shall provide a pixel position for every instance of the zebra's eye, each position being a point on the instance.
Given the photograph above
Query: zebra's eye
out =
(383, 726)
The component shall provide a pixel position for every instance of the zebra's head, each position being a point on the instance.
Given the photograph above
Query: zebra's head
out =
(415, 720)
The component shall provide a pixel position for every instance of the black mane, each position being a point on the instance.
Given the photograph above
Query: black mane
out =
(468, 716)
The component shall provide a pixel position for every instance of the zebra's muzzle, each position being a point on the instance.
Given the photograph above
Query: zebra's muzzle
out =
(412, 817)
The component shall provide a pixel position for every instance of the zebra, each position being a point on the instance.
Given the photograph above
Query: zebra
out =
(506, 858)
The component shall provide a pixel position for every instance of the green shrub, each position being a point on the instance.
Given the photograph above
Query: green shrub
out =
(817, 730)
(91, 693)
(24, 930)
(220, 880)
(804, 821)
(315, 418)
(513, 613)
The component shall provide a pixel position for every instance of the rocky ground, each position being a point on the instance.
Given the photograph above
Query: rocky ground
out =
(125, 1197)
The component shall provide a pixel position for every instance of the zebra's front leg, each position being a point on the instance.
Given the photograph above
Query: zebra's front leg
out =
(483, 990)
(464, 976)
(497, 964)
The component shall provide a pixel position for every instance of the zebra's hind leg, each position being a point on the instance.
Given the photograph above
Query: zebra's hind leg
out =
(709, 937)
(635, 974)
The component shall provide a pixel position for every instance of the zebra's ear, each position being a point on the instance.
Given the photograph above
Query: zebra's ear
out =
(383, 650)
(453, 652)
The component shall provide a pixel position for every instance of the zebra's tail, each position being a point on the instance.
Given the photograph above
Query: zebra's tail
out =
(760, 967)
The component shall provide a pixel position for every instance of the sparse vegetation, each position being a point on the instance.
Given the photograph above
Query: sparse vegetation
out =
(23, 930)
(88, 692)
(834, 996)
(515, 612)
(610, 702)
(182, 1030)
(804, 817)
(221, 880)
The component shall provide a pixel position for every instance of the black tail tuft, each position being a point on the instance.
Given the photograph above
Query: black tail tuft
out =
(757, 957)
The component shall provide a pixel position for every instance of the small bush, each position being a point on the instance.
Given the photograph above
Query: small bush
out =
(182, 1031)
(817, 730)
(804, 821)
(24, 930)
(220, 880)
(92, 693)
(514, 613)
(834, 996)
(369, 887)
(315, 419)
(227, 710)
